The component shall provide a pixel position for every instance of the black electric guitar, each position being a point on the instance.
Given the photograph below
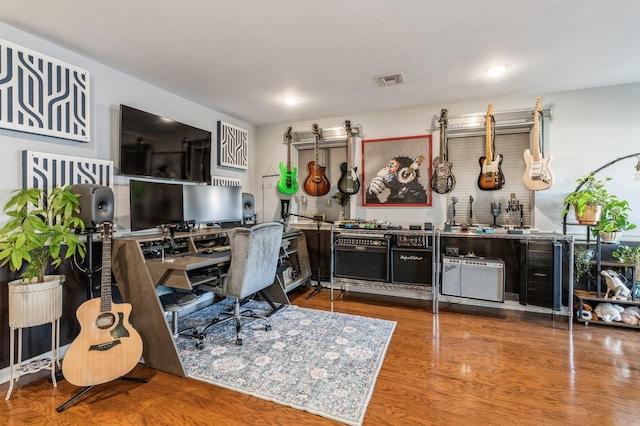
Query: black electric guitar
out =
(442, 180)
(108, 347)
(537, 175)
(316, 183)
(288, 183)
(491, 176)
(348, 183)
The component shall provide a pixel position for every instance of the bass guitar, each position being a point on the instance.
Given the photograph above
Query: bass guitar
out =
(442, 180)
(348, 183)
(491, 176)
(316, 183)
(288, 183)
(107, 347)
(537, 175)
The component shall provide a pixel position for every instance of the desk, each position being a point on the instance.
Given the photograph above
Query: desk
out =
(138, 277)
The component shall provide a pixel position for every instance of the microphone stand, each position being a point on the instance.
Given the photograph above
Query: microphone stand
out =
(317, 288)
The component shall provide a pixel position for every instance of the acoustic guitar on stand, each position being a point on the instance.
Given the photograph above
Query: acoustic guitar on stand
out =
(442, 180)
(288, 183)
(316, 183)
(491, 176)
(537, 175)
(348, 183)
(108, 347)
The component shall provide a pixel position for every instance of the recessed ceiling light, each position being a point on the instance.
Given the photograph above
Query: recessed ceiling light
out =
(290, 100)
(496, 71)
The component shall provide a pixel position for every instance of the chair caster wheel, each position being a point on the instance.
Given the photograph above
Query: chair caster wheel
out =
(238, 342)
(200, 337)
(267, 327)
(199, 346)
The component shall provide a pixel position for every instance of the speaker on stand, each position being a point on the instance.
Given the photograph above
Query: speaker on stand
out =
(248, 208)
(96, 206)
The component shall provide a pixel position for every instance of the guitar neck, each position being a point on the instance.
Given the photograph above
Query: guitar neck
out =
(488, 135)
(536, 130)
(289, 154)
(105, 277)
(348, 126)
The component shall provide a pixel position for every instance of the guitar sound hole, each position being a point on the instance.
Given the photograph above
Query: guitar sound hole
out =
(105, 320)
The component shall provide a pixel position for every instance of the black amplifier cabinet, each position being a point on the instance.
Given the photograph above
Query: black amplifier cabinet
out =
(411, 266)
(541, 274)
(363, 257)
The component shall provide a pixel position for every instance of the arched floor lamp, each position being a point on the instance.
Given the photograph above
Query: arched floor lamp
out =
(610, 163)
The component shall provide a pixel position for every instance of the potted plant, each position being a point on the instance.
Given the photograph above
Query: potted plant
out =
(614, 220)
(588, 200)
(40, 224)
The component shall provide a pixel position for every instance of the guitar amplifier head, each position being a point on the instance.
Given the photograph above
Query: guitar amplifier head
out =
(412, 241)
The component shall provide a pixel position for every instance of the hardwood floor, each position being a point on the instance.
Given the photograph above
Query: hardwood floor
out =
(464, 366)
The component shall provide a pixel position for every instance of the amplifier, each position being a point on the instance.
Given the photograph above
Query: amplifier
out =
(362, 257)
(411, 266)
(153, 249)
(474, 278)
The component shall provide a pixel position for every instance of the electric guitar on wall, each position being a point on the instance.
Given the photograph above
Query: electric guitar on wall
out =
(442, 180)
(348, 183)
(537, 175)
(288, 183)
(107, 347)
(491, 176)
(316, 183)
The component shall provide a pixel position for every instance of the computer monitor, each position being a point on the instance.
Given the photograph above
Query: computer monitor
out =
(155, 204)
(212, 204)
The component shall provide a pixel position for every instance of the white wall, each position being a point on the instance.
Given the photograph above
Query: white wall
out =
(589, 128)
(109, 89)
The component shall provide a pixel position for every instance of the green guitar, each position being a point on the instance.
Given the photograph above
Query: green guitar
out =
(288, 183)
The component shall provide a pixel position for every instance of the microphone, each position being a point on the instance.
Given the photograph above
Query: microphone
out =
(454, 200)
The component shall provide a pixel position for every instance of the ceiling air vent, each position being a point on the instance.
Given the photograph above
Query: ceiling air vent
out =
(390, 80)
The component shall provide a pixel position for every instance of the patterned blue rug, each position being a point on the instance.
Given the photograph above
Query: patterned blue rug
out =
(317, 361)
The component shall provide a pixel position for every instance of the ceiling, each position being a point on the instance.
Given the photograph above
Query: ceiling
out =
(243, 57)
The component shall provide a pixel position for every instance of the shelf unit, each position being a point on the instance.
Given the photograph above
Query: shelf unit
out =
(295, 269)
(596, 297)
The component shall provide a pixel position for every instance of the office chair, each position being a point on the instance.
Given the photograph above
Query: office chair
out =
(254, 259)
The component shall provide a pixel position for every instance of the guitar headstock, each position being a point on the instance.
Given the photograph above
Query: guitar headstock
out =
(444, 116)
(538, 107)
(315, 129)
(347, 125)
(105, 231)
(489, 111)
(288, 134)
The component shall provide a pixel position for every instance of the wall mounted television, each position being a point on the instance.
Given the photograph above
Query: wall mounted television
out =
(154, 204)
(212, 204)
(155, 146)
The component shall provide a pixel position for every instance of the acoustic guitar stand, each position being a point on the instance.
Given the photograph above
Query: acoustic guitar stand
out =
(90, 274)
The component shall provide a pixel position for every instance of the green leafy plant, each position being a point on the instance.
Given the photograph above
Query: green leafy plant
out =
(615, 217)
(39, 225)
(591, 192)
(627, 254)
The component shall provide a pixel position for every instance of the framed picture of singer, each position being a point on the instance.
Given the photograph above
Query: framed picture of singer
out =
(396, 171)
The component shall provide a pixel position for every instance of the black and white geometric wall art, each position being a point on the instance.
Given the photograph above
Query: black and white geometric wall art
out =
(42, 95)
(45, 170)
(233, 146)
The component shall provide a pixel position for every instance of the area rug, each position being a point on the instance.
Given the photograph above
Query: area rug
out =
(317, 361)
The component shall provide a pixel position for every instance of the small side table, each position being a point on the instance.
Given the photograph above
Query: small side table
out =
(31, 305)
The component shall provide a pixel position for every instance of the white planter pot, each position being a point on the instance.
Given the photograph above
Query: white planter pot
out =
(610, 237)
(32, 304)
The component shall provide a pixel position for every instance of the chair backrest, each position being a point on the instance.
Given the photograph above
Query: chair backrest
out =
(254, 258)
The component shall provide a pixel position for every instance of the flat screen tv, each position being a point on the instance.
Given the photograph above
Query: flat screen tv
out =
(155, 146)
(154, 204)
(212, 204)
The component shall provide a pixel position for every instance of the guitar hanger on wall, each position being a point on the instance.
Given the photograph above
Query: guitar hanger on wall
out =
(506, 121)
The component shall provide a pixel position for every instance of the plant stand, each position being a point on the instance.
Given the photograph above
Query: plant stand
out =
(31, 305)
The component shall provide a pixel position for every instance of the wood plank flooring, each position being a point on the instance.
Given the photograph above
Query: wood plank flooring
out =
(464, 366)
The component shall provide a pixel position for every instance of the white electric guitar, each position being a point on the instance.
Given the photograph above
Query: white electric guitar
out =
(537, 175)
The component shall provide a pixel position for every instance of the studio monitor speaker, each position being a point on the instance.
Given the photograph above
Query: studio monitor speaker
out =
(248, 206)
(96, 203)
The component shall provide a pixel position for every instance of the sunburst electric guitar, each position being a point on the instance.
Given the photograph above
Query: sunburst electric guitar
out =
(316, 183)
(442, 180)
(348, 183)
(288, 183)
(537, 175)
(491, 176)
(107, 347)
